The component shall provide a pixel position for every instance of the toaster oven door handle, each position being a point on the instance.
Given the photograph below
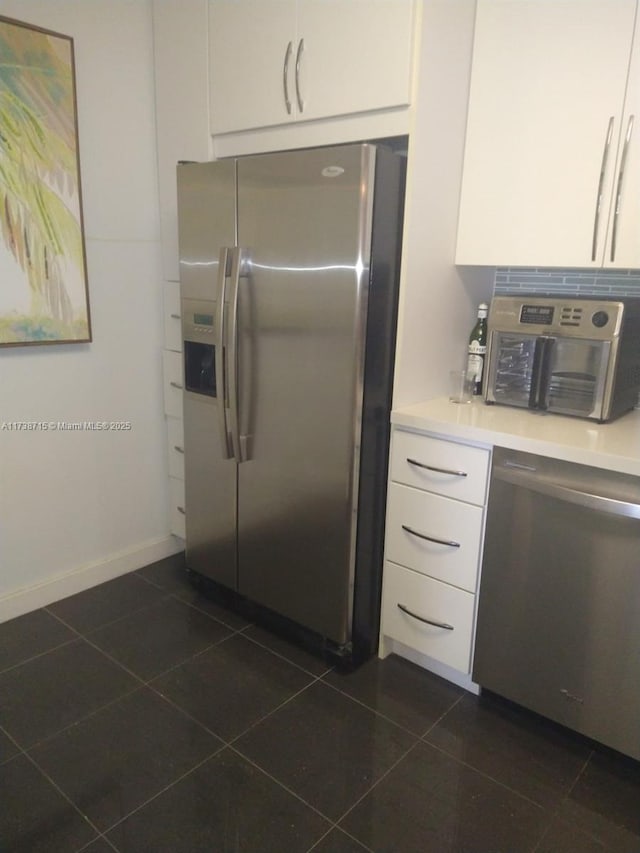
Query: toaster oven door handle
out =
(540, 370)
(547, 346)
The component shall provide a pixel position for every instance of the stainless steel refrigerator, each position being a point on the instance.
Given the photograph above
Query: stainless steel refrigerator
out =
(289, 266)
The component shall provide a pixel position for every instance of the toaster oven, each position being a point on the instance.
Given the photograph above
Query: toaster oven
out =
(570, 356)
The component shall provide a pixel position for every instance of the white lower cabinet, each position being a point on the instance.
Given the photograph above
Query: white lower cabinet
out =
(176, 507)
(435, 523)
(434, 618)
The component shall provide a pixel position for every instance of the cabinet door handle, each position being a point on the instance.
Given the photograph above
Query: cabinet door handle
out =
(444, 625)
(298, 58)
(176, 385)
(178, 448)
(438, 470)
(285, 77)
(181, 510)
(448, 542)
(603, 170)
(176, 317)
(623, 161)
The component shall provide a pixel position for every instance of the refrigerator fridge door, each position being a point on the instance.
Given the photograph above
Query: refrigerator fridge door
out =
(207, 222)
(304, 223)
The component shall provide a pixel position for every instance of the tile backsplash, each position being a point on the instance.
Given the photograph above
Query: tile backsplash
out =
(578, 282)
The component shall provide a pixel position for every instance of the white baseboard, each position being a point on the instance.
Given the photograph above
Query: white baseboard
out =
(31, 598)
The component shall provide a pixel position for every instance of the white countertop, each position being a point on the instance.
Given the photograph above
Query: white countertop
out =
(615, 446)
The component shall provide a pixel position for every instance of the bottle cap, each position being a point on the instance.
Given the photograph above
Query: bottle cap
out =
(483, 308)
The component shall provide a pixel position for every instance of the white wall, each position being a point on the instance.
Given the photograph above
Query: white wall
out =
(78, 507)
(438, 300)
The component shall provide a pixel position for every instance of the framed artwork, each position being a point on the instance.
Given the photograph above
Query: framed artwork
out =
(43, 271)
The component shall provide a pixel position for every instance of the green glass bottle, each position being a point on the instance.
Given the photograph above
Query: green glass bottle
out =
(478, 349)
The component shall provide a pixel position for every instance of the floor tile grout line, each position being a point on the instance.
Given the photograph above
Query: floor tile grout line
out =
(171, 784)
(370, 708)
(39, 655)
(441, 717)
(76, 808)
(21, 750)
(334, 828)
(282, 785)
(375, 784)
(282, 656)
(314, 680)
(485, 775)
(101, 837)
(85, 633)
(47, 609)
(140, 684)
(563, 799)
(194, 656)
(155, 584)
(28, 750)
(202, 610)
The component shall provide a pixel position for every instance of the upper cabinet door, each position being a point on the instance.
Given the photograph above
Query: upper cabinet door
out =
(545, 119)
(252, 58)
(355, 56)
(623, 247)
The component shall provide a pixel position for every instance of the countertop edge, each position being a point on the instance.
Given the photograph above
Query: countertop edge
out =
(614, 446)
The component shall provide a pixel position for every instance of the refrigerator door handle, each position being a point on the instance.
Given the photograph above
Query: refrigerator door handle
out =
(232, 353)
(223, 261)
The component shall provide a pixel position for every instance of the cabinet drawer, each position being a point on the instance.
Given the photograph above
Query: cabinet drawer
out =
(176, 507)
(173, 383)
(433, 600)
(175, 448)
(413, 514)
(172, 319)
(463, 470)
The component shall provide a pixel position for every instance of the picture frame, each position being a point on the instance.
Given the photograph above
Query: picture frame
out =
(44, 296)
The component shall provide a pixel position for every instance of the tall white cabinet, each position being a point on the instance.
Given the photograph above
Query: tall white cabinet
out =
(552, 158)
(182, 121)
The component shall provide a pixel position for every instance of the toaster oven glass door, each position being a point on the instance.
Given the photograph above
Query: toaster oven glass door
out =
(575, 377)
(514, 363)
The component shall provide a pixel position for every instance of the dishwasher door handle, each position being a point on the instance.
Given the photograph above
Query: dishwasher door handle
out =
(600, 503)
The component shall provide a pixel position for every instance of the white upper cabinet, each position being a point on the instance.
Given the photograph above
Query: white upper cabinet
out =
(356, 55)
(252, 57)
(624, 227)
(277, 61)
(545, 133)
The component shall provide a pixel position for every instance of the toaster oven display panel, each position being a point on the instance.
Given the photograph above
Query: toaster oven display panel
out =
(538, 315)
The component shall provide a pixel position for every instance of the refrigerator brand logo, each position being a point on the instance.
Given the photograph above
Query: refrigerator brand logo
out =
(332, 171)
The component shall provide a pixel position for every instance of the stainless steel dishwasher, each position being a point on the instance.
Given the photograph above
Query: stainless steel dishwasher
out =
(558, 627)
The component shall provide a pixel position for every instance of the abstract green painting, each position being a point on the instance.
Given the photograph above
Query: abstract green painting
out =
(43, 277)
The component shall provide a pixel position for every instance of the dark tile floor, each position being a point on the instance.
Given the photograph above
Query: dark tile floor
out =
(140, 717)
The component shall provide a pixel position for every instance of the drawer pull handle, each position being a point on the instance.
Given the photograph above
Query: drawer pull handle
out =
(178, 448)
(444, 625)
(433, 468)
(181, 509)
(176, 385)
(176, 317)
(448, 542)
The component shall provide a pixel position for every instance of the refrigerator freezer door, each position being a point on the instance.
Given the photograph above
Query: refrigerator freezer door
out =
(304, 230)
(207, 222)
